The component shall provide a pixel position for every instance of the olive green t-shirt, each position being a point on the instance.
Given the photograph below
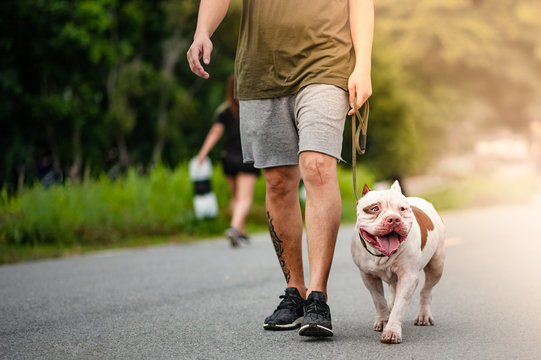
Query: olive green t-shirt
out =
(285, 45)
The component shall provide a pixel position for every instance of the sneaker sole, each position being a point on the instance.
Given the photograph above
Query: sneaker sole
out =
(315, 330)
(295, 324)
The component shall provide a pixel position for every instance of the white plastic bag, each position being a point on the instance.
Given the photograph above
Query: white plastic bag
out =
(204, 201)
(200, 171)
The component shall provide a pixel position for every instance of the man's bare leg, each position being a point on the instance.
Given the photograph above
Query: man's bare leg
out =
(284, 219)
(322, 214)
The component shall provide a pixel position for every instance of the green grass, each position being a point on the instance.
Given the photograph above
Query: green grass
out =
(131, 211)
(157, 208)
(105, 213)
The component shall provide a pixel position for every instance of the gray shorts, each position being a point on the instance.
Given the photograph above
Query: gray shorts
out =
(275, 131)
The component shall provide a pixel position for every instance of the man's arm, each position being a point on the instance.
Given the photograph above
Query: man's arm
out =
(211, 14)
(361, 19)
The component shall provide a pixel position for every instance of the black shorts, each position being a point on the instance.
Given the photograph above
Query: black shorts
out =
(234, 165)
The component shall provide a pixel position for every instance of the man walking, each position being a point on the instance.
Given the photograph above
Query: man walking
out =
(296, 62)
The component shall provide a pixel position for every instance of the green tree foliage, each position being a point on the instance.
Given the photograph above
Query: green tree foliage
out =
(89, 86)
(480, 57)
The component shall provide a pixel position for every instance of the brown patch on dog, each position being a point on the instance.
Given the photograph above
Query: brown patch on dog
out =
(424, 223)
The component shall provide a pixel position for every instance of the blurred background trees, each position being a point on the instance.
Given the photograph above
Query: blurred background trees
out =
(99, 86)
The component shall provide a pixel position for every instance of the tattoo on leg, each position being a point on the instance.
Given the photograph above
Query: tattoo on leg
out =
(278, 248)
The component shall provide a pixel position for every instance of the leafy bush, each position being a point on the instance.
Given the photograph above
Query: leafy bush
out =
(103, 211)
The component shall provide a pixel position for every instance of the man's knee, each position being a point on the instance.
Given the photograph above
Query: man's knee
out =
(317, 169)
(281, 180)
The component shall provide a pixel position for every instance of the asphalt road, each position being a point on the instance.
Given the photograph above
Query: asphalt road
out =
(208, 301)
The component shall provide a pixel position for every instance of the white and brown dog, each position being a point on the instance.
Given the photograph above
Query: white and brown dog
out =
(395, 238)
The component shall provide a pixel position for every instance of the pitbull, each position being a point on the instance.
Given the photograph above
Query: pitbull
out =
(395, 238)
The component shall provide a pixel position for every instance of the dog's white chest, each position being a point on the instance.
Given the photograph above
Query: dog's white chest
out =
(384, 271)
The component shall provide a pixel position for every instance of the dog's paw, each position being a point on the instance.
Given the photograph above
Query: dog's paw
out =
(424, 319)
(391, 336)
(379, 325)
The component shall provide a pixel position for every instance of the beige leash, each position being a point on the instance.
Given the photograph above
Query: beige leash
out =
(358, 138)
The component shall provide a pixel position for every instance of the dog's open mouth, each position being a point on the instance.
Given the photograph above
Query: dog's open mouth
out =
(387, 244)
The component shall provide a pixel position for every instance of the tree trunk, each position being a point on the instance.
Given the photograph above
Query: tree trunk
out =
(20, 177)
(112, 79)
(57, 167)
(160, 131)
(75, 168)
(123, 154)
(171, 53)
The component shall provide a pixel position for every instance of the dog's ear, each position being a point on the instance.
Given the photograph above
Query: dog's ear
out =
(396, 186)
(366, 189)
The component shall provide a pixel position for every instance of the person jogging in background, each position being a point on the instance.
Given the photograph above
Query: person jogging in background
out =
(240, 177)
(296, 62)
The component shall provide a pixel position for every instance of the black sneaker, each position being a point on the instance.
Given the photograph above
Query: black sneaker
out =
(288, 315)
(317, 316)
(245, 238)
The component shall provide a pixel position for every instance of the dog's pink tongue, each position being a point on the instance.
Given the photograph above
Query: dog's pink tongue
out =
(389, 243)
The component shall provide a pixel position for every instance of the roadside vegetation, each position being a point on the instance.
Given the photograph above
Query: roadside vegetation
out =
(135, 210)
(132, 210)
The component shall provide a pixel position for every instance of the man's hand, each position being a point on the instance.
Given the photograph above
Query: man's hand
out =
(211, 14)
(201, 48)
(360, 87)
(361, 20)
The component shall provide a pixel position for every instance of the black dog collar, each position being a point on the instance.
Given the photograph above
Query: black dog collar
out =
(363, 241)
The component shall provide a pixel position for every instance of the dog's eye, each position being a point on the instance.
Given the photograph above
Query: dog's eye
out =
(403, 208)
(375, 208)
